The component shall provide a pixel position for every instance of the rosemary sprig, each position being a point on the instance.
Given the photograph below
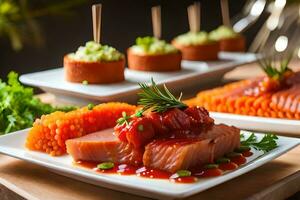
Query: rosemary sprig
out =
(158, 100)
(266, 144)
(271, 68)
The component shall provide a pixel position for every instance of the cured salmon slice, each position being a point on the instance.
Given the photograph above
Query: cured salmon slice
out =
(103, 146)
(175, 154)
(165, 154)
(287, 100)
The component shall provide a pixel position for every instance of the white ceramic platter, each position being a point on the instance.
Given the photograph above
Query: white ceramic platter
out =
(192, 73)
(13, 145)
(264, 124)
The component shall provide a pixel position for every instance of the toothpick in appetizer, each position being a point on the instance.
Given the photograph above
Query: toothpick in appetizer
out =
(228, 38)
(196, 45)
(152, 53)
(95, 63)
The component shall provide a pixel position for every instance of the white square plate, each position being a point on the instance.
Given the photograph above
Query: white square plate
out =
(264, 124)
(192, 73)
(13, 145)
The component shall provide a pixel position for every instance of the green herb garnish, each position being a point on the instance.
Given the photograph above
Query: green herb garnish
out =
(183, 173)
(18, 106)
(140, 128)
(90, 106)
(222, 160)
(158, 100)
(139, 113)
(124, 119)
(211, 166)
(106, 165)
(272, 69)
(266, 144)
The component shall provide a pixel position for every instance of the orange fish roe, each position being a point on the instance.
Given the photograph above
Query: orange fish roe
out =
(231, 98)
(50, 132)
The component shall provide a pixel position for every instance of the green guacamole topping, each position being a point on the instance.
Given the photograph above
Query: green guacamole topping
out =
(94, 52)
(152, 45)
(193, 38)
(222, 32)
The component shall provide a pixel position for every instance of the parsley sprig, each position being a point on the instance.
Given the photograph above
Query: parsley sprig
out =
(158, 100)
(18, 106)
(266, 144)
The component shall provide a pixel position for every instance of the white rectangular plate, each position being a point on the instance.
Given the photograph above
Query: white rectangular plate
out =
(13, 145)
(192, 73)
(263, 124)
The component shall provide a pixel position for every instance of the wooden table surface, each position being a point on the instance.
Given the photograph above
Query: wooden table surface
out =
(277, 179)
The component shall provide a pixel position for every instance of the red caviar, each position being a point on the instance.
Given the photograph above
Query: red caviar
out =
(50, 132)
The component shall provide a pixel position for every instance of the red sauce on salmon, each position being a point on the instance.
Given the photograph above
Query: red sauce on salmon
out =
(228, 166)
(147, 172)
(239, 160)
(247, 153)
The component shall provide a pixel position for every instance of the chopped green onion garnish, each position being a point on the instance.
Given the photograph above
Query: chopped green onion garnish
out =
(140, 127)
(106, 165)
(232, 154)
(90, 106)
(242, 149)
(85, 82)
(211, 166)
(139, 113)
(182, 173)
(222, 160)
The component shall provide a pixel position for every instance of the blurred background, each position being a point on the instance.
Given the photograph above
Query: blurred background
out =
(36, 34)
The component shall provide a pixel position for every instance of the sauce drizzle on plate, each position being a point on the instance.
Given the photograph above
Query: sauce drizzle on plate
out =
(147, 172)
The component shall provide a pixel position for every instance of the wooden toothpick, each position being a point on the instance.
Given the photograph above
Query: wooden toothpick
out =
(156, 21)
(96, 14)
(194, 17)
(225, 13)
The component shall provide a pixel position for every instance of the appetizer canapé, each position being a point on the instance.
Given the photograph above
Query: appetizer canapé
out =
(152, 54)
(197, 46)
(275, 95)
(164, 138)
(229, 39)
(94, 63)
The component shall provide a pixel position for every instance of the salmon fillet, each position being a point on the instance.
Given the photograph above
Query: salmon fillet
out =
(165, 154)
(175, 154)
(103, 146)
(288, 100)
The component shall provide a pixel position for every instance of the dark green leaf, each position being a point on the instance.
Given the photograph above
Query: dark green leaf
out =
(18, 106)
(266, 144)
